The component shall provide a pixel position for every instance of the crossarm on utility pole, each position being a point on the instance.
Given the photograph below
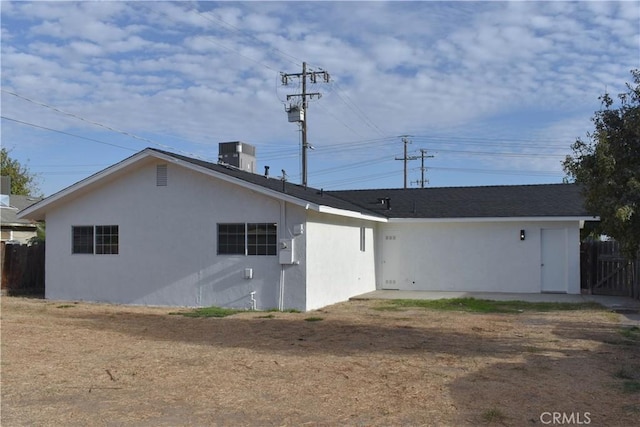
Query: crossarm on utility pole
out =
(313, 75)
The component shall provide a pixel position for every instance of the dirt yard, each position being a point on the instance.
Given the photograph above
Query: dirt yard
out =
(92, 364)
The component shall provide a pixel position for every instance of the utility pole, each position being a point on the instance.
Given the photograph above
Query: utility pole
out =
(406, 157)
(302, 117)
(423, 155)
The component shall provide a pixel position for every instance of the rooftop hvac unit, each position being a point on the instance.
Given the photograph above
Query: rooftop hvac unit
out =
(238, 154)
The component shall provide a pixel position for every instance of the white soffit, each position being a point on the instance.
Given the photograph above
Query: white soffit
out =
(497, 219)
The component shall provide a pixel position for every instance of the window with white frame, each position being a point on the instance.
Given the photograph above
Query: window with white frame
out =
(98, 239)
(106, 239)
(247, 239)
(262, 239)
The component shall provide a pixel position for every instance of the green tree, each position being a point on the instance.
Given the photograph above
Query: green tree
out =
(607, 165)
(23, 182)
(41, 234)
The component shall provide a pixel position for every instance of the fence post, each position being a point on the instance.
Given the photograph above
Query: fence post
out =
(594, 248)
(5, 276)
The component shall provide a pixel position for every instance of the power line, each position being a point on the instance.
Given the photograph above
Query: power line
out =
(109, 128)
(372, 177)
(354, 107)
(209, 15)
(66, 133)
(354, 145)
(338, 119)
(495, 153)
(499, 171)
(352, 166)
(357, 179)
(492, 140)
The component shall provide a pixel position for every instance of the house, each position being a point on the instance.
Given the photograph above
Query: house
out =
(161, 228)
(12, 228)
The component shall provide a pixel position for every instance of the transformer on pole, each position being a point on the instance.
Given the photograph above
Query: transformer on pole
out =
(298, 112)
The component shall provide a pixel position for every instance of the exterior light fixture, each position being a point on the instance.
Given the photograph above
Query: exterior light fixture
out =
(522, 235)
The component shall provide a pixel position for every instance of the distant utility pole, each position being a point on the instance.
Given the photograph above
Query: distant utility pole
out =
(423, 156)
(302, 112)
(406, 157)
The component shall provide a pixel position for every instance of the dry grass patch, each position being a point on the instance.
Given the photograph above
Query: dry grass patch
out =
(95, 364)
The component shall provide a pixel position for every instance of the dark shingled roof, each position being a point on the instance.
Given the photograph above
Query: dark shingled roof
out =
(545, 200)
(502, 201)
(309, 194)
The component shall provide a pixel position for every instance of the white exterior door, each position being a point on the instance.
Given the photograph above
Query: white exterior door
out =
(391, 258)
(553, 244)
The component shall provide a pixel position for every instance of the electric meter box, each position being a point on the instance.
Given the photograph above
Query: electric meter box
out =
(286, 251)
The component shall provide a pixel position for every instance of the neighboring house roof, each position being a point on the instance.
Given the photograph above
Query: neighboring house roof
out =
(543, 200)
(8, 214)
(519, 201)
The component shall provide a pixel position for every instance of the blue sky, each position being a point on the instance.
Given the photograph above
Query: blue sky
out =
(495, 91)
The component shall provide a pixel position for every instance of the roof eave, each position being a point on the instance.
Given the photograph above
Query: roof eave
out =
(19, 224)
(496, 219)
(38, 210)
(350, 214)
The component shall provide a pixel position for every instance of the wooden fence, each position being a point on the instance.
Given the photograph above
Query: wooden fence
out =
(604, 271)
(22, 269)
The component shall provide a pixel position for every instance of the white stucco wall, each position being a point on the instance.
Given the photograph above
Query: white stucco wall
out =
(168, 244)
(336, 267)
(471, 256)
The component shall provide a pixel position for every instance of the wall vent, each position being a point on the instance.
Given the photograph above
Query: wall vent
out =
(161, 175)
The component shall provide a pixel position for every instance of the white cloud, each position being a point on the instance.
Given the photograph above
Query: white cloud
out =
(208, 71)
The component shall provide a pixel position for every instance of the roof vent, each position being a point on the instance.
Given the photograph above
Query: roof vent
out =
(161, 175)
(385, 201)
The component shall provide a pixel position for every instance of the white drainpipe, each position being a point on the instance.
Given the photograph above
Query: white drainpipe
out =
(282, 227)
(253, 300)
